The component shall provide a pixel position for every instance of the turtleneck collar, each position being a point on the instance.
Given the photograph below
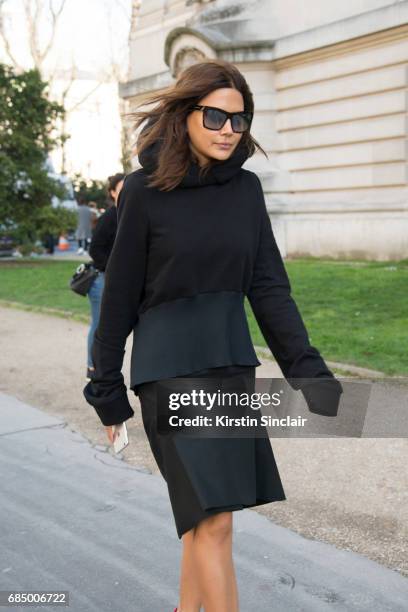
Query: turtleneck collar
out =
(220, 172)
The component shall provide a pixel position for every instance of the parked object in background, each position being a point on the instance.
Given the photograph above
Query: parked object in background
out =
(7, 243)
(63, 244)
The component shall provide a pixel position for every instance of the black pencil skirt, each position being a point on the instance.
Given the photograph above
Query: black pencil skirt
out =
(208, 475)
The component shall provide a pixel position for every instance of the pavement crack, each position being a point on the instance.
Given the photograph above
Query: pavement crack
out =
(17, 431)
(122, 465)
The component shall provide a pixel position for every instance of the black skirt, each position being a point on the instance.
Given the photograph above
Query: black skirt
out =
(207, 475)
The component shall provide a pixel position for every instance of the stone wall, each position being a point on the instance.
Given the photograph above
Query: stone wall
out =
(330, 110)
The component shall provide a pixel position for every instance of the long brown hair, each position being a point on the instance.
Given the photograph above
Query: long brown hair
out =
(168, 119)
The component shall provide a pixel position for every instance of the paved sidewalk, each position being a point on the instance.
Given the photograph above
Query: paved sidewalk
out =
(74, 517)
(348, 492)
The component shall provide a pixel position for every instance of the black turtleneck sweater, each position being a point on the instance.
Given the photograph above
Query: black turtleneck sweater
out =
(181, 265)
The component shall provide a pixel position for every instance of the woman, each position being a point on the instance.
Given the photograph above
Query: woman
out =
(84, 226)
(194, 237)
(103, 237)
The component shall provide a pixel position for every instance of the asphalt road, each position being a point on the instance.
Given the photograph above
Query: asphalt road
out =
(75, 518)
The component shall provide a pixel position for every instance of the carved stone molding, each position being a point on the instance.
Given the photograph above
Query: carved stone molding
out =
(187, 49)
(190, 2)
(134, 18)
(185, 58)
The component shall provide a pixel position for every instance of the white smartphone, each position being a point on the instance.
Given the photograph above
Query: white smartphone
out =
(121, 440)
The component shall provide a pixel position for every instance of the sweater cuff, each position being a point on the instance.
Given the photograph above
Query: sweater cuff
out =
(323, 396)
(309, 364)
(112, 411)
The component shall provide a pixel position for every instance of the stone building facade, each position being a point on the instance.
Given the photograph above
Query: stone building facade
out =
(330, 86)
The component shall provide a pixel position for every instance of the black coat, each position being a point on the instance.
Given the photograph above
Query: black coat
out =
(103, 238)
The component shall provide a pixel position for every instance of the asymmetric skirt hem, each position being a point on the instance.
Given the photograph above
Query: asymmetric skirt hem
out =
(205, 475)
(216, 510)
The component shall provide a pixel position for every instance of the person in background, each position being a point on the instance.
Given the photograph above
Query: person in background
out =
(100, 248)
(49, 243)
(84, 227)
(95, 214)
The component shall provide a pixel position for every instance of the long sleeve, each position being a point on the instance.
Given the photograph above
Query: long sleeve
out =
(280, 321)
(124, 282)
(103, 238)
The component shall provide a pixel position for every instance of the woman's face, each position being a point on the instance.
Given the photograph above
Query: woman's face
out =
(205, 143)
(115, 192)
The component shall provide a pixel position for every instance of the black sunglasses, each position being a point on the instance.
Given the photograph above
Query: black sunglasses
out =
(215, 118)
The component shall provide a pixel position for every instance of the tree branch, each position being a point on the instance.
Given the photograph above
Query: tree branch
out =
(55, 17)
(3, 36)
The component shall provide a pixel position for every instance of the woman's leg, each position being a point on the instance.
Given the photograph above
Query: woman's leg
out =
(95, 298)
(207, 570)
(213, 569)
(190, 596)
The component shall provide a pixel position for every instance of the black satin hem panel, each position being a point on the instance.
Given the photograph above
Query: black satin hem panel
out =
(191, 334)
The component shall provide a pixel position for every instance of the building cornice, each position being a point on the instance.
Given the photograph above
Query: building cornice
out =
(222, 45)
(145, 85)
(358, 31)
(367, 29)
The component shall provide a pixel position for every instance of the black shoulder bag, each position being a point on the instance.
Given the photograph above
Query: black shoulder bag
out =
(83, 278)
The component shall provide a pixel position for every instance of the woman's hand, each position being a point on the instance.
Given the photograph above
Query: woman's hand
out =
(111, 435)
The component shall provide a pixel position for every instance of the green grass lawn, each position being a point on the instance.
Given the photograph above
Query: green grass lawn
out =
(356, 312)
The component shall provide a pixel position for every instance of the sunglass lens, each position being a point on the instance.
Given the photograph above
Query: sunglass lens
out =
(213, 119)
(240, 123)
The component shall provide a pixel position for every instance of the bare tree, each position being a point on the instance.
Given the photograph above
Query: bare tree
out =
(33, 12)
(37, 13)
(4, 38)
(63, 100)
(34, 15)
(119, 67)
